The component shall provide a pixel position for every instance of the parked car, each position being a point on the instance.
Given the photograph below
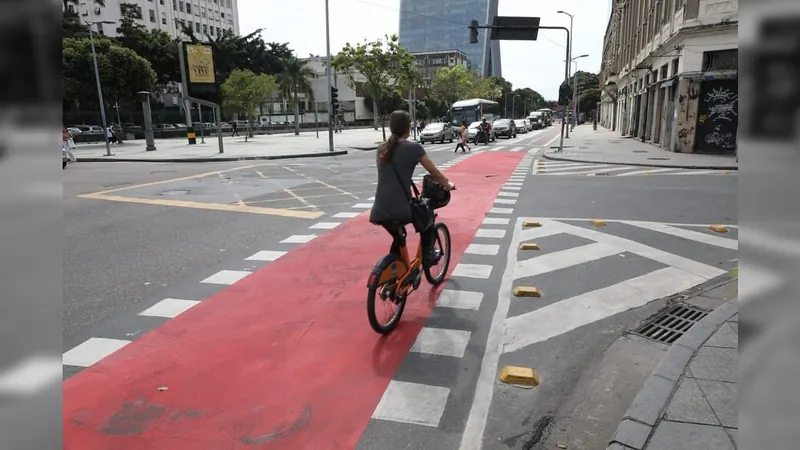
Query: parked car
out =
(438, 131)
(537, 121)
(473, 131)
(523, 126)
(505, 127)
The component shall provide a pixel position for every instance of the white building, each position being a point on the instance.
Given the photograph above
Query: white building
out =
(351, 98)
(670, 73)
(206, 17)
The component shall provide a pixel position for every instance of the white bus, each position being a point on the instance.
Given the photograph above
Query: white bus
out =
(472, 110)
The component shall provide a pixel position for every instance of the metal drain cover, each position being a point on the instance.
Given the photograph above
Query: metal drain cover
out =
(671, 325)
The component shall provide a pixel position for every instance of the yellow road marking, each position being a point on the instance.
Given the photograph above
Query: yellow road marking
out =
(208, 206)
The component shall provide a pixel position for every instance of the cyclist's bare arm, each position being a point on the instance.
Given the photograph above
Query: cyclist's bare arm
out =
(434, 171)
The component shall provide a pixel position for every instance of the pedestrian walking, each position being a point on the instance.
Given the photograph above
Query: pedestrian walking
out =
(463, 139)
(110, 135)
(235, 129)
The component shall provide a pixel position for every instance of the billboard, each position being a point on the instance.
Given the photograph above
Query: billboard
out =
(201, 63)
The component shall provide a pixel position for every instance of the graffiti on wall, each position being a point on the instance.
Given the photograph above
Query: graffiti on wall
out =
(717, 115)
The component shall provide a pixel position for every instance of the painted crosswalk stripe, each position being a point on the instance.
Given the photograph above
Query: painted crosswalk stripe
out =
(298, 239)
(566, 315)
(460, 299)
(412, 403)
(227, 277)
(501, 210)
(345, 215)
(507, 194)
(516, 149)
(561, 260)
(91, 351)
(483, 249)
(505, 201)
(438, 341)
(362, 205)
(512, 188)
(573, 168)
(169, 308)
(496, 221)
(324, 225)
(686, 234)
(265, 255)
(481, 271)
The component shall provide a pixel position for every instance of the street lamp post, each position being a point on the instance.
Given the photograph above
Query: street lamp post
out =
(575, 90)
(569, 52)
(328, 70)
(99, 88)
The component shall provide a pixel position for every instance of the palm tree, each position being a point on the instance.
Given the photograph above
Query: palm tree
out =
(294, 80)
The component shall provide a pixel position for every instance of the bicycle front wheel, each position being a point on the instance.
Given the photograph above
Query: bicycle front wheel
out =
(435, 273)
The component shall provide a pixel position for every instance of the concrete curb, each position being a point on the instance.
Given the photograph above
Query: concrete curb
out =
(221, 159)
(664, 166)
(645, 410)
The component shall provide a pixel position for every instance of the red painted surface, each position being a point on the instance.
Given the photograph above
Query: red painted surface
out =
(284, 359)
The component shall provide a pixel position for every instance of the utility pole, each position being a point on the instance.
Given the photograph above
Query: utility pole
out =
(328, 69)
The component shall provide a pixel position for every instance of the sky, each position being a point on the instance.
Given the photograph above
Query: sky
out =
(537, 65)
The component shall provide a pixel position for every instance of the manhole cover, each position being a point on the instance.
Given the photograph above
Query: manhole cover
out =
(659, 158)
(671, 325)
(178, 192)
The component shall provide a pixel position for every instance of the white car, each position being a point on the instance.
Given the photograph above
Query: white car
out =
(523, 125)
(437, 131)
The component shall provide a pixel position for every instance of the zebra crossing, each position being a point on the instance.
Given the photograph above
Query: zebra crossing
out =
(556, 168)
(494, 147)
(442, 396)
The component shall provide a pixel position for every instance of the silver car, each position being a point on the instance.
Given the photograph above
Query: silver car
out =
(436, 132)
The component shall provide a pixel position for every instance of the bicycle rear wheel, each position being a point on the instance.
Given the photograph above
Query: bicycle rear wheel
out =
(435, 274)
(383, 297)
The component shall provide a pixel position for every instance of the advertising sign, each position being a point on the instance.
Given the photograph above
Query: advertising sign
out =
(201, 63)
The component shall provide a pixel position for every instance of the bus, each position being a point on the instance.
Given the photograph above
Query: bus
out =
(473, 110)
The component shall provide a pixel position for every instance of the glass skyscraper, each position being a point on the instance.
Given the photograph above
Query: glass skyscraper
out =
(434, 25)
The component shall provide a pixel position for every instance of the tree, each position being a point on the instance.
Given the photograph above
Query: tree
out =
(487, 88)
(296, 79)
(123, 73)
(156, 46)
(523, 98)
(451, 84)
(243, 92)
(383, 65)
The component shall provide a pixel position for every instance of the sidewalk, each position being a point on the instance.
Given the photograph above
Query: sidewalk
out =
(690, 400)
(607, 147)
(259, 147)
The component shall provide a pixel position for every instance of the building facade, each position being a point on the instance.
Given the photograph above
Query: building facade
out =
(430, 62)
(430, 26)
(208, 18)
(670, 73)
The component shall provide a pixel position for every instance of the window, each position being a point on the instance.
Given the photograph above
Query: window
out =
(219, 32)
(211, 30)
(222, 14)
(161, 1)
(188, 8)
(152, 16)
(174, 5)
(663, 74)
(228, 3)
(197, 27)
(203, 12)
(205, 29)
(675, 63)
(191, 25)
(721, 60)
(164, 18)
(100, 28)
(180, 6)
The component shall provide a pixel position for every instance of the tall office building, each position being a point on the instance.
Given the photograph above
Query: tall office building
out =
(430, 25)
(206, 17)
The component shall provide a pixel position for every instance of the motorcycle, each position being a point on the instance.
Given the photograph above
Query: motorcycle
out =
(483, 135)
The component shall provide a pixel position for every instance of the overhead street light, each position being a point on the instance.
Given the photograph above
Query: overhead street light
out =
(569, 52)
(97, 78)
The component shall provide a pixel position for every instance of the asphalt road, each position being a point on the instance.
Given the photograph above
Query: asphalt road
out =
(123, 255)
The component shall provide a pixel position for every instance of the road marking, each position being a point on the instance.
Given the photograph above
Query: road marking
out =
(412, 403)
(566, 315)
(208, 206)
(505, 201)
(169, 308)
(472, 438)
(551, 262)
(566, 170)
(640, 172)
(501, 210)
(363, 205)
(227, 277)
(514, 183)
(490, 233)
(298, 239)
(693, 172)
(322, 183)
(345, 215)
(265, 255)
(325, 225)
(686, 234)
(496, 221)
(483, 249)
(31, 375)
(481, 271)
(507, 194)
(91, 351)
(512, 188)
(460, 299)
(439, 341)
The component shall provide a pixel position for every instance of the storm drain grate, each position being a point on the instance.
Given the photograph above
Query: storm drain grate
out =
(671, 325)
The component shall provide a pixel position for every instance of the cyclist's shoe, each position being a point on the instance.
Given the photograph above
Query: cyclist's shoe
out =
(432, 257)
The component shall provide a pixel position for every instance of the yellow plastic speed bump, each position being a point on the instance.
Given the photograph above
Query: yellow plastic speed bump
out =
(718, 228)
(531, 224)
(519, 375)
(529, 246)
(527, 291)
(598, 222)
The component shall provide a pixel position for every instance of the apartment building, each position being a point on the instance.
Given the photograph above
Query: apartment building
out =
(430, 62)
(208, 18)
(670, 73)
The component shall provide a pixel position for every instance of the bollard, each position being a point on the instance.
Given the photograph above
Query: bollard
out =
(150, 144)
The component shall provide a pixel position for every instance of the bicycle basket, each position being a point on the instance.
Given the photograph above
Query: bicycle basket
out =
(437, 196)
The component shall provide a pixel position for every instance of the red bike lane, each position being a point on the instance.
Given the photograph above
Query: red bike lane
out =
(283, 359)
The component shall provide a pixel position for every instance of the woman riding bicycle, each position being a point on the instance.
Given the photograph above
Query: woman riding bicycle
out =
(397, 159)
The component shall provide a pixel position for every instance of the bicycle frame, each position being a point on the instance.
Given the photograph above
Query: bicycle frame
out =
(387, 268)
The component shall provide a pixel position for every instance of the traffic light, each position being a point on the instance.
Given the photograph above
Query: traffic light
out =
(564, 94)
(473, 32)
(334, 101)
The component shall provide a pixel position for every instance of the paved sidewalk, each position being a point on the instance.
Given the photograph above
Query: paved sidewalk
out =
(690, 401)
(276, 146)
(608, 147)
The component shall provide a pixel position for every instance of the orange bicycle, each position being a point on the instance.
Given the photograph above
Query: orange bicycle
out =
(396, 275)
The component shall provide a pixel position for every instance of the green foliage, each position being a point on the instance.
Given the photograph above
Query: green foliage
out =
(451, 84)
(123, 73)
(588, 90)
(519, 98)
(156, 46)
(243, 92)
(295, 79)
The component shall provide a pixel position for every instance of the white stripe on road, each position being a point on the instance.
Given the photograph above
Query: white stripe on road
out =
(169, 308)
(91, 351)
(483, 249)
(460, 299)
(566, 315)
(696, 236)
(412, 403)
(490, 233)
(551, 262)
(693, 172)
(481, 271)
(648, 171)
(265, 255)
(495, 221)
(227, 277)
(439, 341)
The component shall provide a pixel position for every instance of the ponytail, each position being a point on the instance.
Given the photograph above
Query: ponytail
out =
(386, 150)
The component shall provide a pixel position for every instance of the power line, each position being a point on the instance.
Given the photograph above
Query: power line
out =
(465, 25)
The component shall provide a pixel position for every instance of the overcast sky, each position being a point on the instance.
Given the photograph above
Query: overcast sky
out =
(538, 65)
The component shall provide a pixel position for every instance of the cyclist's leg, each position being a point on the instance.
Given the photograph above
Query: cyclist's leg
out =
(428, 239)
(398, 236)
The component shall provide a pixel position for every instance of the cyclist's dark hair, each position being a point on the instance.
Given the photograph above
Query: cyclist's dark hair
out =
(399, 125)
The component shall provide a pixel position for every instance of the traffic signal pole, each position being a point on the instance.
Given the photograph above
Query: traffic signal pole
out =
(328, 73)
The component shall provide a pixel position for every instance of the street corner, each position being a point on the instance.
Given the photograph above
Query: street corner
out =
(291, 189)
